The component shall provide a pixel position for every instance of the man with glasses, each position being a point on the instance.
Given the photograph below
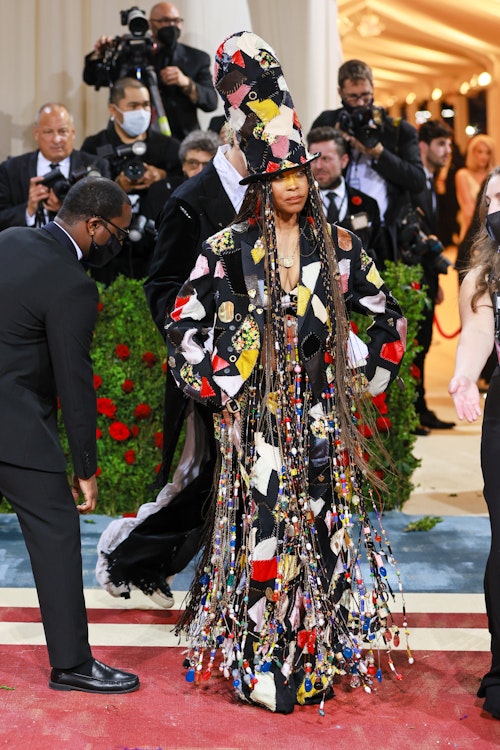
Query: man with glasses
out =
(48, 307)
(130, 118)
(385, 158)
(183, 72)
(24, 199)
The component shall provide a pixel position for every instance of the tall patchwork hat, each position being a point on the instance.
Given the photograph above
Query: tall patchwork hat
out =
(259, 106)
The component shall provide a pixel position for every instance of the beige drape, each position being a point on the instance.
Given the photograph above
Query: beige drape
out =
(43, 43)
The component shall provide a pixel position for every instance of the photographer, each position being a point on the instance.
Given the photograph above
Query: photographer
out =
(183, 73)
(128, 132)
(24, 198)
(385, 160)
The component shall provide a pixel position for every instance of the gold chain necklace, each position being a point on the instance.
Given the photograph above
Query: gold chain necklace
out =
(287, 261)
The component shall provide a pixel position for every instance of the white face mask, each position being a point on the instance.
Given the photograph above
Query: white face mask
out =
(135, 122)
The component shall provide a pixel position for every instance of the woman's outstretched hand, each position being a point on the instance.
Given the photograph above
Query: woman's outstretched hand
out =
(466, 398)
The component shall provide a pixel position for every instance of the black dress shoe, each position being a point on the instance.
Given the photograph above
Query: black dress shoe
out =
(103, 679)
(429, 419)
(421, 430)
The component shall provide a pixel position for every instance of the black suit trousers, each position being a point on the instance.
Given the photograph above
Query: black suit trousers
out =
(50, 524)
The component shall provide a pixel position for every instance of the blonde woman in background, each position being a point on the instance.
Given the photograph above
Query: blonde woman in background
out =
(479, 160)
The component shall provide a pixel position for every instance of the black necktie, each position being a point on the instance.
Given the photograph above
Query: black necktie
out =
(54, 165)
(432, 193)
(332, 212)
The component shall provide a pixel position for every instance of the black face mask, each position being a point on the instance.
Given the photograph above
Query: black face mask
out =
(493, 226)
(368, 108)
(168, 36)
(99, 255)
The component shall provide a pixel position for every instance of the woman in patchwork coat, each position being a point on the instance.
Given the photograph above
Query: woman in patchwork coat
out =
(260, 332)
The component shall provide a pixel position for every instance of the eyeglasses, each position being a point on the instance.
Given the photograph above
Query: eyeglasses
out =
(122, 233)
(195, 163)
(365, 97)
(167, 21)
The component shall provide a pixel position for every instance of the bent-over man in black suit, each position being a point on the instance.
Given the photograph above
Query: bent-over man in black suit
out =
(48, 306)
(342, 204)
(24, 201)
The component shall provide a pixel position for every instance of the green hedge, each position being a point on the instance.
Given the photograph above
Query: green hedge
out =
(129, 356)
(395, 411)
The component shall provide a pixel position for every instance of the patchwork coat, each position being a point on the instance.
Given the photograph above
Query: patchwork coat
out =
(216, 327)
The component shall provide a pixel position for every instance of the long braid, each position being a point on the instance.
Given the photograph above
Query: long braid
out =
(346, 389)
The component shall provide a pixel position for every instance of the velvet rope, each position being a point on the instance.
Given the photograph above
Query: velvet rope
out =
(443, 334)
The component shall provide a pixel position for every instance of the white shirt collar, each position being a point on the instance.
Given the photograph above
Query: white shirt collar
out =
(43, 165)
(78, 251)
(230, 177)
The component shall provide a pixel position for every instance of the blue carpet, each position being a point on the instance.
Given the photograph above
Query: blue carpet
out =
(449, 558)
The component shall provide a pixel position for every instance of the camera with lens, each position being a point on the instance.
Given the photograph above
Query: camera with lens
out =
(56, 181)
(125, 158)
(141, 226)
(128, 54)
(415, 246)
(135, 19)
(363, 123)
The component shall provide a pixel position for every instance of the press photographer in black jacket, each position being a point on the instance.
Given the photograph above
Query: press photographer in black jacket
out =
(128, 132)
(385, 158)
(183, 73)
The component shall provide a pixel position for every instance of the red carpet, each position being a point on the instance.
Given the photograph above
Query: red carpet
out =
(434, 706)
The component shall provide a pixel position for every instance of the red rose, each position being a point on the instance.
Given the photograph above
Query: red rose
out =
(129, 457)
(106, 406)
(356, 200)
(119, 431)
(97, 381)
(380, 402)
(157, 468)
(100, 306)
(98, 433)
(415, 285)
(354, 327)
(164, 366)
(159, 439)
(415, 371)
(365, 430)
(134, 430)
(149, 358)
(142, 411)
(127, 385)
(384, 424)
(122, 351)
(98, 471)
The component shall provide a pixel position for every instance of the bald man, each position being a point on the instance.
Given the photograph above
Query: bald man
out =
(24, 200)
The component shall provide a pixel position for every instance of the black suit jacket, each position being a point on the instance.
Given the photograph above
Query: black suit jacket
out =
(180, 110)
(428, 219)
(399, 164)
(360, 203)
(48, 307)
(15, 175)
(196, 209)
